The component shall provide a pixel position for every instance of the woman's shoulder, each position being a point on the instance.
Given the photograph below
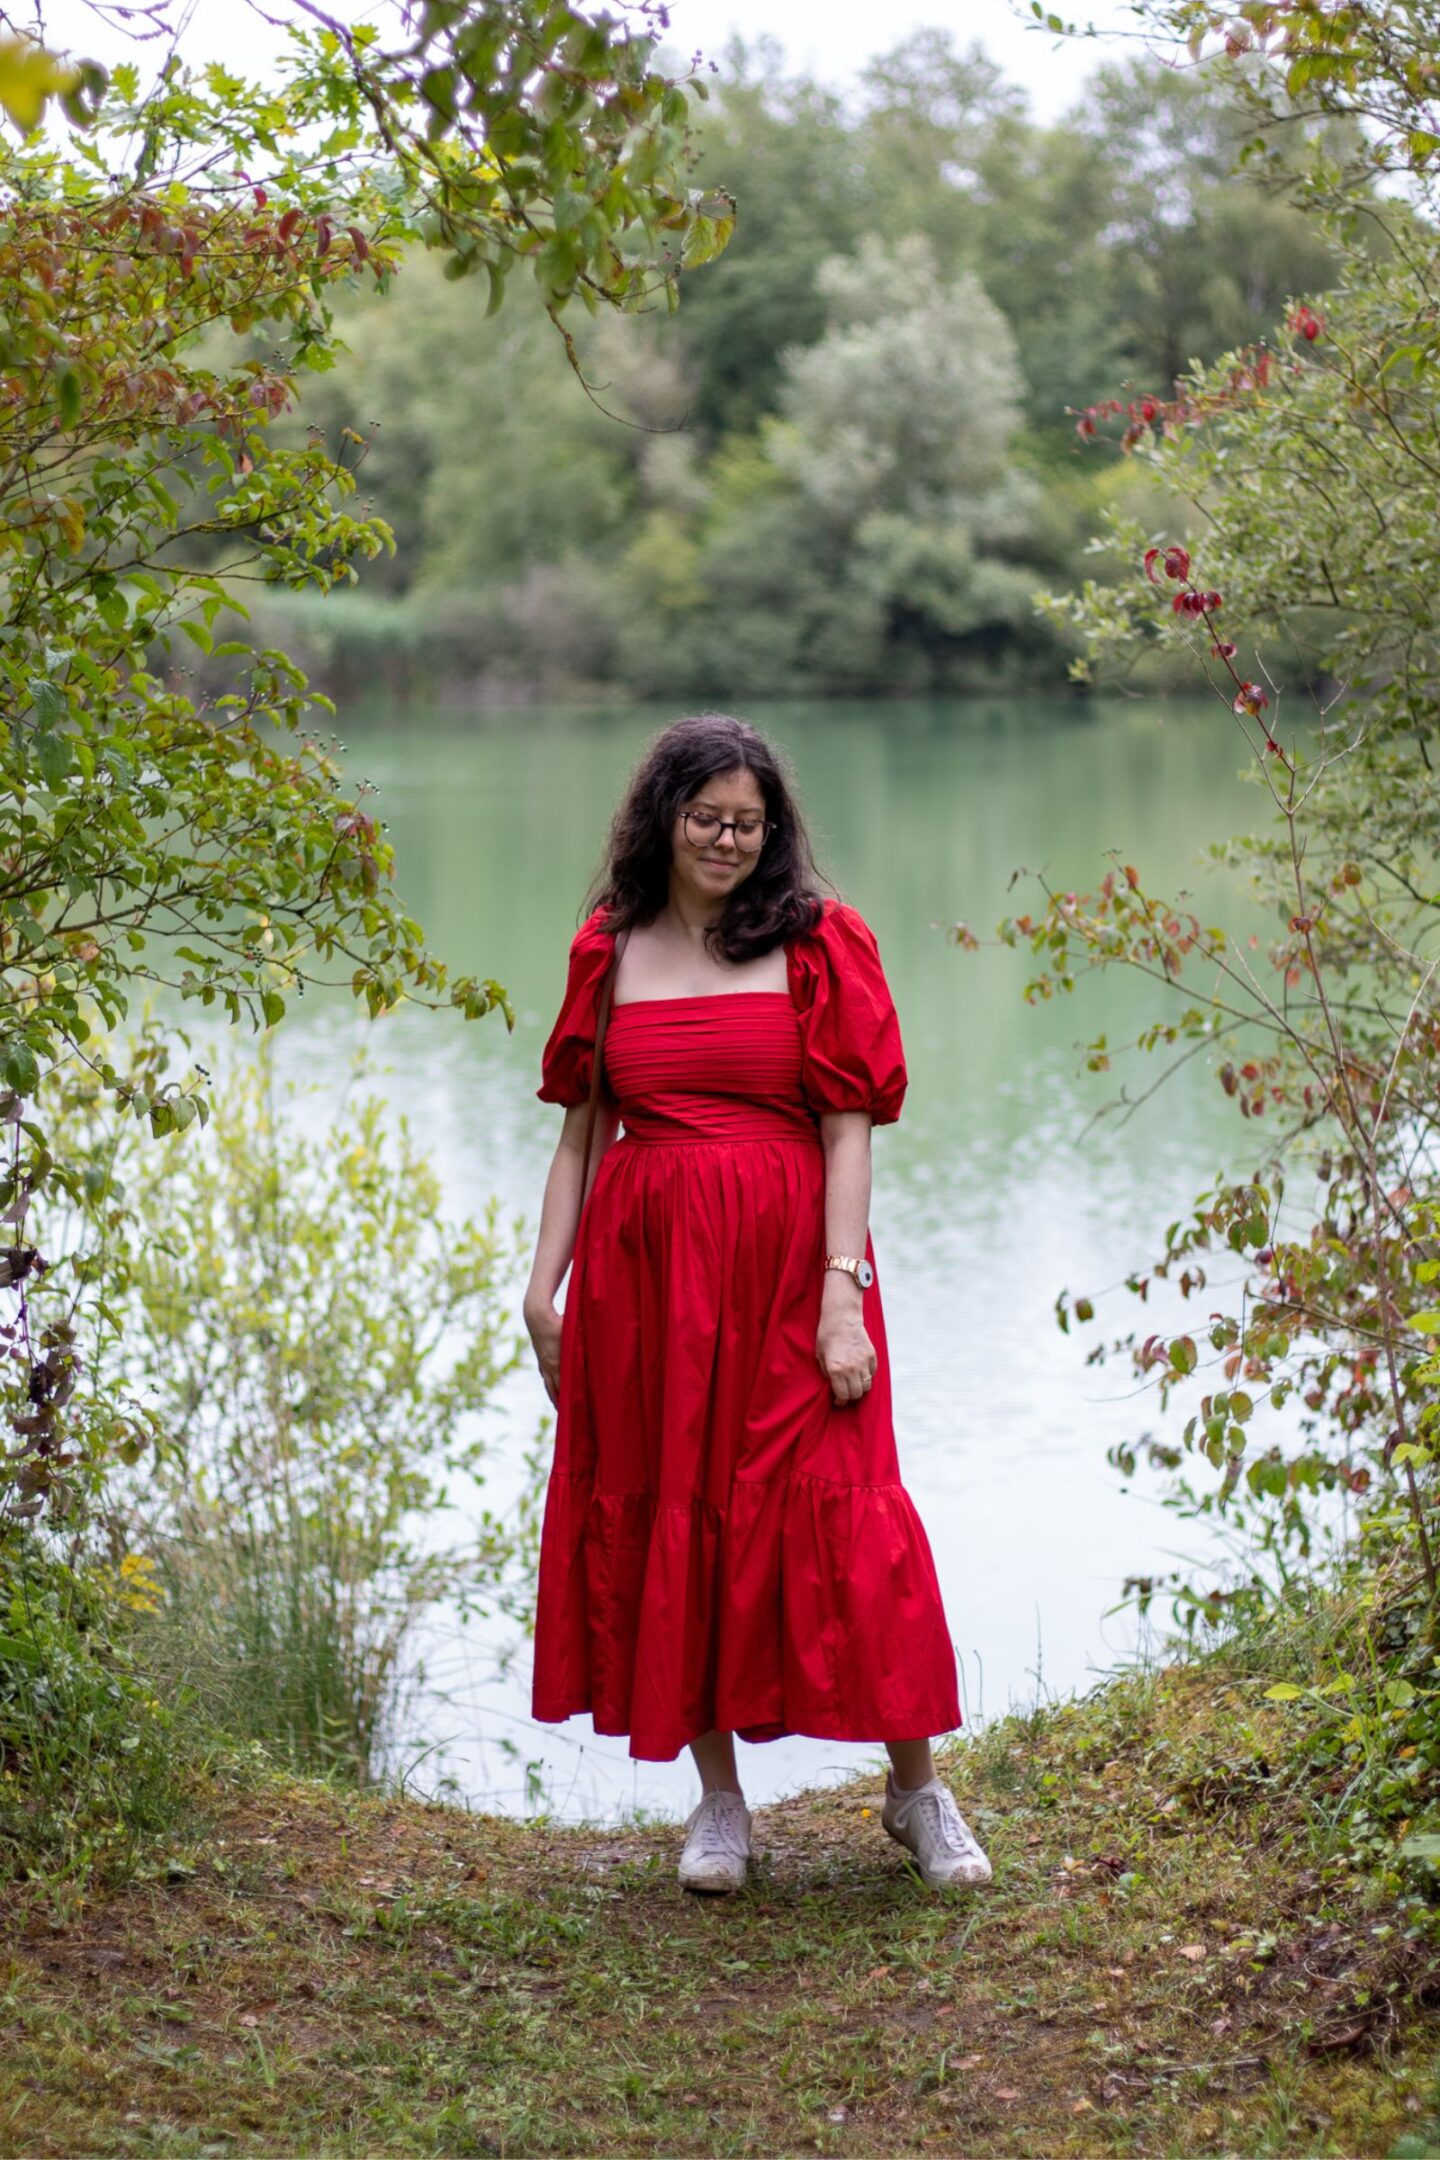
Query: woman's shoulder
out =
(594, 936)
(837, 931)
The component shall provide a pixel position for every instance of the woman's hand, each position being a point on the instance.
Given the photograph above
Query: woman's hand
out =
(545, 1325)
(843, 1350)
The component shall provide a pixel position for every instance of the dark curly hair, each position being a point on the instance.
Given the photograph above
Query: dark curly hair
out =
(778, 901)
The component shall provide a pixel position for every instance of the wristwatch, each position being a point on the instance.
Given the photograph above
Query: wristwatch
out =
(862, 1271)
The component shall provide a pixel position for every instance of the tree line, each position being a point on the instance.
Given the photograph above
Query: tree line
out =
(849, 461)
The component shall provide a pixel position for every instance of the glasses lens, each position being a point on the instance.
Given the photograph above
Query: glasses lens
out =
(702, 829)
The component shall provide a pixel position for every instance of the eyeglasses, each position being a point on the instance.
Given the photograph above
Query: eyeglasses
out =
(703, 829)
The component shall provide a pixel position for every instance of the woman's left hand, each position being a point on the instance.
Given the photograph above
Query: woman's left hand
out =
(845, 1353)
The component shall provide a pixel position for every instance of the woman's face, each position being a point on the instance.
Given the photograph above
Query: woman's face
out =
(710, 860)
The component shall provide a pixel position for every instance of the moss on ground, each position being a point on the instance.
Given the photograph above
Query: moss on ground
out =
(1161, 1967)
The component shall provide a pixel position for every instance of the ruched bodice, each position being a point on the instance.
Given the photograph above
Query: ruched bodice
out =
(722, 1067)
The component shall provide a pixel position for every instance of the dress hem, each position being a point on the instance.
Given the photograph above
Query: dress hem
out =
(756, 1735)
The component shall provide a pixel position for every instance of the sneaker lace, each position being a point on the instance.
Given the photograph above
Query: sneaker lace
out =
(718, 1832)
(948, 1825)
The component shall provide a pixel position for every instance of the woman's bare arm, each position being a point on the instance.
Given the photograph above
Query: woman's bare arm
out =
(559, 1221)
(844, 1351)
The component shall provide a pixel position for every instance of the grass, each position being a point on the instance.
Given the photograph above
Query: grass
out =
(1162, 1967)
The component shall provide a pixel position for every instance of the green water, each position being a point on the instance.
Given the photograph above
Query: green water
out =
(990, 1194)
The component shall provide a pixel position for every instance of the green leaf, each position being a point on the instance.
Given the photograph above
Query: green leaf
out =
(273, 1006)
(709, 232)
(49, 702)
(18, 1067)
(67, 391)
(1311, 67)
(1284, 1691)
(53, 753)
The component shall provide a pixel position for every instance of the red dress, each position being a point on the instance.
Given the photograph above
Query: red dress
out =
(722, 1546)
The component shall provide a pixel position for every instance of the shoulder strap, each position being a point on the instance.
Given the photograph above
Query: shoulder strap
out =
(602, 1021)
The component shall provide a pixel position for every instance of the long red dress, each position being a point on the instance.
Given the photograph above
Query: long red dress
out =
(722, 1546)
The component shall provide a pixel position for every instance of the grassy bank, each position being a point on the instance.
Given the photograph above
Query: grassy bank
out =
(1167, 1963)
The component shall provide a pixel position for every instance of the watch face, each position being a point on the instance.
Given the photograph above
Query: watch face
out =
(864, 1274)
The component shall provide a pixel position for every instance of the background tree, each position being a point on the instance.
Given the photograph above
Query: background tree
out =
(152, 834)
(568, 552)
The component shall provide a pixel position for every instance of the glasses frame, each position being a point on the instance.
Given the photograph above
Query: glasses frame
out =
(767, 826)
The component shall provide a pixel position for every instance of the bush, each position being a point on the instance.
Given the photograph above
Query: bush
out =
(311, 1340)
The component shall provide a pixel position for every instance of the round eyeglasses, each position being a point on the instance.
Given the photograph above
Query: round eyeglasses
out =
(703, 829)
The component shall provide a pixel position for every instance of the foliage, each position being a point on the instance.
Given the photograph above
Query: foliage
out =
(90, 1774)
(310, 1342)
(153, 831)
(907, 404)
(694, 550)
(1120, 240)
(1312, 486)
(1368, 73)
(304, 1342)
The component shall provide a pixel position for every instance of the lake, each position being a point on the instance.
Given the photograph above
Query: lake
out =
(993, 1192)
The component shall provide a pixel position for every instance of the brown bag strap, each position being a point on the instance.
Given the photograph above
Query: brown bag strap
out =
(602, 1021)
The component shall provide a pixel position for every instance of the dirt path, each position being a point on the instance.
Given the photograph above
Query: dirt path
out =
(1153, 1972)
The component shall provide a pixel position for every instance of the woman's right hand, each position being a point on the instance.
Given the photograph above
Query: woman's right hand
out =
(545, 1325)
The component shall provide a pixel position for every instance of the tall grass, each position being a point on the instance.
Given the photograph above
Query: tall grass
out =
(282, 1622)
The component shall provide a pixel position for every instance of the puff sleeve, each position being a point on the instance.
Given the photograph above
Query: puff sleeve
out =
(851, 1053)
(566, 1059)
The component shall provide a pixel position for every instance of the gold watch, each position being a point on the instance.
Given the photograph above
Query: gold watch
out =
(862, 1271)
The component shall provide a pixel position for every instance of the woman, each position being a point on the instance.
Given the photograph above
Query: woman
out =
(727, 1546)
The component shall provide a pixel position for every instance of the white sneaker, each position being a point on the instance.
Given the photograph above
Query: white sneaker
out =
(931, 1825)
(717, 1844)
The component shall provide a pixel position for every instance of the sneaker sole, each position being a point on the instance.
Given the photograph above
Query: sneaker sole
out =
(711, 1889)
(938, 1882)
